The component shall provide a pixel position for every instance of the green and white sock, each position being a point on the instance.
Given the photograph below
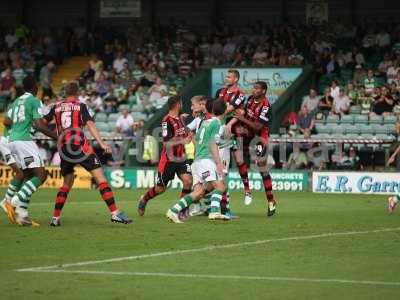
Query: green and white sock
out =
(21, 199)
(182, 203)
(13, 187)
(215, 201)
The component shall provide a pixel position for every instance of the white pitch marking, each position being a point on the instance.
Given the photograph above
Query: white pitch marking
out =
(234, 277)
(206, 248)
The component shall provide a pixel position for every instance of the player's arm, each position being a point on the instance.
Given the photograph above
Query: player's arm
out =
(39, 122)
(393, 157)
(214, 150)
(168, 136)
(88, 121)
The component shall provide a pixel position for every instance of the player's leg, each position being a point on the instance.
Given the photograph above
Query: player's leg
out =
(392, 202)
(238, 155)
(262, 165)
(165, 174)
(185, 202)
(67, 171)
(105, 191)
(30, 161)
(184, 173)
(13, 187)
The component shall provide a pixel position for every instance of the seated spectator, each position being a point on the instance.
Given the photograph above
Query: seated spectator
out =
(119, 61)
(332, 66)
(19, 73)
(297, 160)
(260, 57)
(103, 85)
(346, 161)
(311, 101)
(95, 102)
(157, 91)
(46, 79)
(7, 84)
(185, 64)
(100, 71)
(306, 120)
(334, 89)
(392, 72)
(383, 103)
(359, 75)
(365, 101)
(95, 63)
(352, 93)
(370, 82)
(341, 104)
(326, 102)
(385, 65)
(124, 124)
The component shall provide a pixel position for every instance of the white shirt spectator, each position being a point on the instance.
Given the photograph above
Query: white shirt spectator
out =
(341, 102)
(157, 91)
(334, 92)
(391, 73)
(125, 123)
(383, 39)
(118, 64)
(10, 40)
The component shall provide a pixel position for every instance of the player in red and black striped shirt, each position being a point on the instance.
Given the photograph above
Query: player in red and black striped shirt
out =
(71, 116)
(252, 125)
(173, 157)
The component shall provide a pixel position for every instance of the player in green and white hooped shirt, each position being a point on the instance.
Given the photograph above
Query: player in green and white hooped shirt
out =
(393, 200)
(16, 182)
(207, 167)
(25, 114)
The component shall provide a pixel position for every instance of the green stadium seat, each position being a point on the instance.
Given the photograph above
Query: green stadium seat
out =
(113, 117)
(332, 119)
(390, 120)
(360, 119)
(355, 109)
(390, 129)
(322, 128)
(102, 126)
(123, 106)
(101, 117)
(379, 129)
(366, 129)
(375, 119)
(347, 119)
(352, 129)
(339, 129)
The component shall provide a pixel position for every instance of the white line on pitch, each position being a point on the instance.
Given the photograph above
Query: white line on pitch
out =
(234, 277)
(206, 248)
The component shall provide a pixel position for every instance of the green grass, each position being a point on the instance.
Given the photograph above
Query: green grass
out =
(88, 235)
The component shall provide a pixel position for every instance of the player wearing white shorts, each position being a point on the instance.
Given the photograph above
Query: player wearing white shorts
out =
(207, 168)
(25, 113)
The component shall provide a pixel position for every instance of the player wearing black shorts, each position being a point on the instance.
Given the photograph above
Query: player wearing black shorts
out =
(251, 125)
(173, 156)
(71, 116)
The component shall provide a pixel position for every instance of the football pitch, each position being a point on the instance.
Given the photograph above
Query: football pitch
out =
(316, 247)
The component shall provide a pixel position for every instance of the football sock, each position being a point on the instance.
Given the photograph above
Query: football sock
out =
(215, 201)
(13, 187)
(245, 176)
(108, 197)
(225, 201)
(150, 194)
(60, 200)
(182, 203)
(268, 186)
(22, 198)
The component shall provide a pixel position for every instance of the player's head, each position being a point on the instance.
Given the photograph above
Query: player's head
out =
(209, 105)
(198, 104)
(232, 77)
(259, 89)
(71, 89)
(29, 84)
(174, 102)
(219, 107)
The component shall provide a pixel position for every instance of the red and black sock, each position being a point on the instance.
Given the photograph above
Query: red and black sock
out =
(60, 201)
(245, 176)
(184, 192)
(108, 196)
(224, 202)
(150, 194)
(268, 186)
